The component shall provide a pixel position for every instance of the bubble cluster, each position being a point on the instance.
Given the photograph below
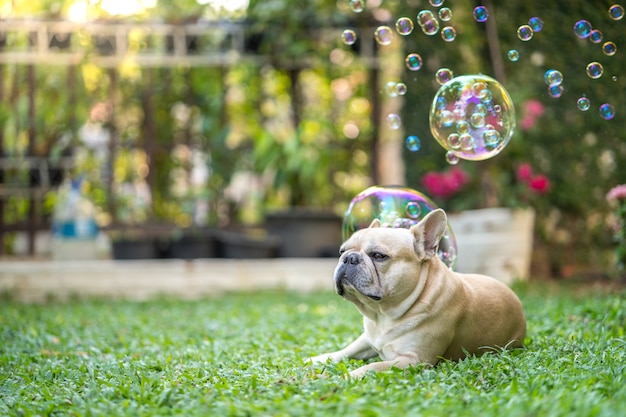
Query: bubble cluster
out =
(525, 33)
(394, 89)
(473, 117)
(582, 29)
(413, 62)
(616, 12)
(607, 111)
(481, 14)
(448, 34)
(395, 207)
(535, 23)
(583, 104)
(595, 70)
(513, 55)
(357, 6)
(383, 35)
(413, 143)
(393, 121)
(428, 22)
(609, 48)
(348, 37)
(445, 14)
(404, 26)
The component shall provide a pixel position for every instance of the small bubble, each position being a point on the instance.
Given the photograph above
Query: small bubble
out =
(446, 118)
(451, 158)
(513, 55)
(616, 12)
(445, 14)
(391, 89)
(424, 16)
(583, 104)
(436, 3)
(349, 37)
(582, 29)
(607, 111)
(394, 121)
(431, 27)
(404, 26)
(413, 210)
(413, 62)
(595, 70)
(535, 23)
(525, 33)
(609, 48)
(443, 75)
(595, 36)
(481, 14)
(357, 6)
(448, 34)
(553, 77)
(383, 35)
(401, 89)
(454, 141)
(555, 91)
(413, 143)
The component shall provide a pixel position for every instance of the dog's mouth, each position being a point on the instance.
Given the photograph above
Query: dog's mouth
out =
(341, 289)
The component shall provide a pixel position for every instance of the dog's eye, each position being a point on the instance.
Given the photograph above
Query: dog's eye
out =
(341, 251)
(377, 256)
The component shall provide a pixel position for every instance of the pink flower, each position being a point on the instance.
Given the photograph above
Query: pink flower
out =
(445, 184)
(534, 108)
(616, 193)
(539, 184)
(524, 172)
(527, 122)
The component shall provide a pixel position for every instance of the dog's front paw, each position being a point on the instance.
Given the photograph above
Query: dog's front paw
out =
(319, 358)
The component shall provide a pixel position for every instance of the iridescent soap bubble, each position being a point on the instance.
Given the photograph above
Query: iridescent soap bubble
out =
(452, 158)
(413, 143)
(583, 104)
(484, 117)
(348, 37)
(424, 16)
(616, 12)
(607, 111)
(404, 26)
(395, 207)
(448, 34)
(535, 23)
(436, 3)
(481, 14)
(430, 26)
(525, 33)
(609, 48)
(393, 121)
(383, 35)
(553, 77)
(582, 29)
(445, 14)
(513, 55)
(555, 91)
(357, 6)
(401, 89)
(391, 88)
(413, 62)
(595, 70)
(443, 75)
(595, 36)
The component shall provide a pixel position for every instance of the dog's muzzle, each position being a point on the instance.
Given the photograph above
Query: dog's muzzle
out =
(350, 272)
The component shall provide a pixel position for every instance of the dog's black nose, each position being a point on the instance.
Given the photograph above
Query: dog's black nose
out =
(352, 259)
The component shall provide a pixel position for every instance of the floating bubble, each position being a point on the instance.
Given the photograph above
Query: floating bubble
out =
(413, 62)
(424, 16)
(609, 48)
(555, 91)
(445, 14)
(401, 89)
(357, 6)
(394, 121)
(473, 117)
(481, 14)
(431, 26)
(443, 75)
(349, 37)
(448, 34)
(595, 36)
(404, 26)
(383, 35)
(583, 104)
(553, 77)
(395, 207)
(413, 143)
(582, 29)
(535, 23)
(607, 111)
(436, 3)
(595, 70)
(391, 89)
(616, 12)
(452, 158)
(513, 55)
(525, 33)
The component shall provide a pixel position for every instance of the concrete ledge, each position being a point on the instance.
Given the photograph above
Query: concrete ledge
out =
(36, 281)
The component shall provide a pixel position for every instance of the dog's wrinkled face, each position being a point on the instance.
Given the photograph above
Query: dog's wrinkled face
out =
(379, 264)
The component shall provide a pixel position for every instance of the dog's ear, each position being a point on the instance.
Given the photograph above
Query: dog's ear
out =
(375, 223)
(428, 232)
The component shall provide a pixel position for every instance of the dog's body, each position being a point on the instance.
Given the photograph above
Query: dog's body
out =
(415, 309)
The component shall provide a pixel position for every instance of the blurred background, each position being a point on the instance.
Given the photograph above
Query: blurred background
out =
(178, 120)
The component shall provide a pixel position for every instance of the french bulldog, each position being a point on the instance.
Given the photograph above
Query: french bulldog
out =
(415, 309)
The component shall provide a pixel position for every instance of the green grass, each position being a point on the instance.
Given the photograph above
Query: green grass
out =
(241, 355)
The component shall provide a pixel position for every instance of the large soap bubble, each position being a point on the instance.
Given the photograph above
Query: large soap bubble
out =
(473, 117)
(397, 207)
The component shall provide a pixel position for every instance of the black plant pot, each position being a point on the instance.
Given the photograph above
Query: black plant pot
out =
(134, 248)
(239, 245)
(193, 245)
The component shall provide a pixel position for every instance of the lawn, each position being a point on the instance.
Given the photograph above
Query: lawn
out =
(241, 355)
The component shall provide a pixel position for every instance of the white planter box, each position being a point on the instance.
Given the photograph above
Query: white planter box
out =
(497, 242)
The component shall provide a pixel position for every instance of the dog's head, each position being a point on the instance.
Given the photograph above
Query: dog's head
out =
(381, 264)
